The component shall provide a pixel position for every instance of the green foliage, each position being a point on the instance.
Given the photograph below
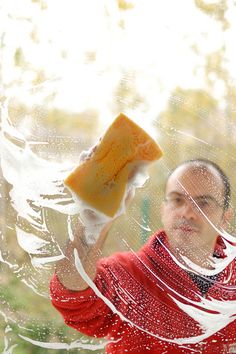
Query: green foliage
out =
(187, 107)
(217, 10)
(19, 58)
(36, 321)
(125, 5)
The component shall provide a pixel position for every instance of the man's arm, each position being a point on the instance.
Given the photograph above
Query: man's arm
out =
(88, 253)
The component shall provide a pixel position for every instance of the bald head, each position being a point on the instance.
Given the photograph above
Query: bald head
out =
(207, 170)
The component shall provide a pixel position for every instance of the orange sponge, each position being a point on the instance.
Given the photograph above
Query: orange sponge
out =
(101, 180)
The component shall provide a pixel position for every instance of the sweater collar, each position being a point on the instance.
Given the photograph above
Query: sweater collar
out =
(160, 238)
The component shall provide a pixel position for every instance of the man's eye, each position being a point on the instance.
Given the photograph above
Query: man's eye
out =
(177, 200)
(203, 204)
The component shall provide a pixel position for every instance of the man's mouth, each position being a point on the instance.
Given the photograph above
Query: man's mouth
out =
(186, 228)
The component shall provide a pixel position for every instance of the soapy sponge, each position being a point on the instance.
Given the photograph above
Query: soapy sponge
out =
(101, 180)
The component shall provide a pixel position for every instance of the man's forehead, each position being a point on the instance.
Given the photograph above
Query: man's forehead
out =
(196, 180)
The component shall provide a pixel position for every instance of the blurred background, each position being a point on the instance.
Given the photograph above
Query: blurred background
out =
(67, 68)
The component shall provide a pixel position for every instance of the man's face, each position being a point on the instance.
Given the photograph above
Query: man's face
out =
(194, 199)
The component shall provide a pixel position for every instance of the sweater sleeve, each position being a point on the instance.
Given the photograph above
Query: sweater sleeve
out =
(84, 310)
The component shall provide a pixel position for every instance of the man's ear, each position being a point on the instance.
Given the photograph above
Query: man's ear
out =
(227, 217)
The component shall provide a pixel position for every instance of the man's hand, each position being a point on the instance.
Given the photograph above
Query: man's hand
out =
(89, 252)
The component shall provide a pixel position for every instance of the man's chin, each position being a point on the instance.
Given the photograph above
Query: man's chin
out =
(184, 240)
(184, 236)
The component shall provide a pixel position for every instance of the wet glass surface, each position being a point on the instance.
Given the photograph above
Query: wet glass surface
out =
(167, 276)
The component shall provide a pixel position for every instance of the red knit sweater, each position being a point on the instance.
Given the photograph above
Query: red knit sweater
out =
(149, 289)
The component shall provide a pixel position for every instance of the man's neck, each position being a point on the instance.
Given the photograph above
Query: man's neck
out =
(201, 256)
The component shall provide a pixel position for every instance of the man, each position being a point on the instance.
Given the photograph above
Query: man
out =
(172, 295)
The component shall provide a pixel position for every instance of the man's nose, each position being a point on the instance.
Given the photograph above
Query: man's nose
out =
(189, 210)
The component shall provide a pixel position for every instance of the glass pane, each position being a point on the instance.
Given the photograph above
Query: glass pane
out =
(163, 278)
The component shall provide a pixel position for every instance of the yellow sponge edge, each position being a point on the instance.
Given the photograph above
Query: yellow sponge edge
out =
(101, 180)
